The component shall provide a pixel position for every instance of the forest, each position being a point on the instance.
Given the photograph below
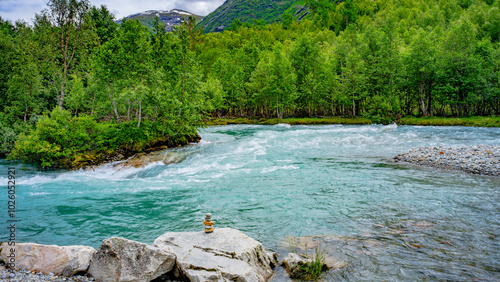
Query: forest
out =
(76, 88)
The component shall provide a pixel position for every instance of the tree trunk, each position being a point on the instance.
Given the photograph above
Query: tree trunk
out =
(140, 113)
(353, 108)
(422, 99)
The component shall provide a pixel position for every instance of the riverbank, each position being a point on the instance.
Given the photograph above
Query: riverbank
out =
(409, 120)
(479, 159)
(291, 121)
(95, 159)
(448, 121)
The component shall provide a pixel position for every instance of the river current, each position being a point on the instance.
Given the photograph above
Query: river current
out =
(337, 183)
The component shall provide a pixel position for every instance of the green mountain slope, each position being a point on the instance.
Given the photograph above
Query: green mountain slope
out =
(267, 11)
(171, 18)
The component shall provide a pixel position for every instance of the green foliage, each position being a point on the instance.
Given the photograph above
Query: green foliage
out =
(103, 22)
(234, 14)
(61, 138)
(442, 121)
(311, 271)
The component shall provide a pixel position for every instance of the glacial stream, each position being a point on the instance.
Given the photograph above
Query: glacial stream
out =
(334, 183)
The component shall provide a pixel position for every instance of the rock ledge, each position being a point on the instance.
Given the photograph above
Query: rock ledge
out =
(225, 255)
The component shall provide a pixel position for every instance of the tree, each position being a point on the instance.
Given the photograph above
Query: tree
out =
(420, 69)
(305, 58)
(25, 83)
(68, 17)
(350, 12)
(7, 48)
(458, 68)
(104, 23)
(134, 40)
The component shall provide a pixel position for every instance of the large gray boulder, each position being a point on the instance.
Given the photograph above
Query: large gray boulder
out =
(225, 255)
(119, 259)
(60, 260)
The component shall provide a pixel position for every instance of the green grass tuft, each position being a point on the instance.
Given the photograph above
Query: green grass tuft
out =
(313, 270)
(445, 121)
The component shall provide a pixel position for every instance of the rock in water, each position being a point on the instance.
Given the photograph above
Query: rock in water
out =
(293, 260)
(120, 259)
(60, 260)
(225, 255)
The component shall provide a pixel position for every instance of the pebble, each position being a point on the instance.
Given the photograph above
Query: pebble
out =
(477, 159)
(24, 275)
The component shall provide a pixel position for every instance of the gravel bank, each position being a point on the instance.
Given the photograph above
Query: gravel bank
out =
(478, 159)
(24, 275)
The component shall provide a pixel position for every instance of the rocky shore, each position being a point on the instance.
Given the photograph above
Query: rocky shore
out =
(226, 254)
(478, 159)
(27, 276)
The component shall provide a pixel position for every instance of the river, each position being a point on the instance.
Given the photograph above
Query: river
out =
(386, 220)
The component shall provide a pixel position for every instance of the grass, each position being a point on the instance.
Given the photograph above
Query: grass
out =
(446, 121)
(476, 121)
(291, 121)
(313, 269)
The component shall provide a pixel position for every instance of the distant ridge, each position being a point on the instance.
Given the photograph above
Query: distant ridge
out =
(171, 18)
(267, 11)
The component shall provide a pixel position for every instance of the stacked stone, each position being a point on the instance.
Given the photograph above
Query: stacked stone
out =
(478, 159)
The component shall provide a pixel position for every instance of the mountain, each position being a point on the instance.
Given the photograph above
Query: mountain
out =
(171, 18)
(268, 11)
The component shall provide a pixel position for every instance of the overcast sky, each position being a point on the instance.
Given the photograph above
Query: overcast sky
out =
(25, 9)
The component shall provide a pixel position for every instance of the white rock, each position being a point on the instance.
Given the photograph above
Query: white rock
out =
(120, 259)
(60, 260)
(224, 255)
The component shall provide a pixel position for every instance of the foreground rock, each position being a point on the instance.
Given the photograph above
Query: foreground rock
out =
(59, 260)
(224, 255)
(120, 259)
(479, 159)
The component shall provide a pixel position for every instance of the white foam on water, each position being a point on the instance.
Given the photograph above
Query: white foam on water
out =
(105, 172)
(38, 193)
(269, 169)
(135, 190)
(390, 127)
(203, 142)
(253, 146)
(285, 125)
(195, 180)
(275, 168)
(196, 168)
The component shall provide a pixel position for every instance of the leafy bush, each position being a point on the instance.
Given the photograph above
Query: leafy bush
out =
(60, 139)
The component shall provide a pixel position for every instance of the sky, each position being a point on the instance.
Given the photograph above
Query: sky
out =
(25, 9)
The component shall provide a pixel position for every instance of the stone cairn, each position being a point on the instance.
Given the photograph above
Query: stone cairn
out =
(209, 225)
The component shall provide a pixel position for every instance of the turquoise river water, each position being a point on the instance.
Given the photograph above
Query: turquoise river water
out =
(388, 221)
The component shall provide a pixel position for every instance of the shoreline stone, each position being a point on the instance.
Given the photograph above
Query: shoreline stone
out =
(120, 259)
(226, 254)
(59, 260)
(477, 159)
